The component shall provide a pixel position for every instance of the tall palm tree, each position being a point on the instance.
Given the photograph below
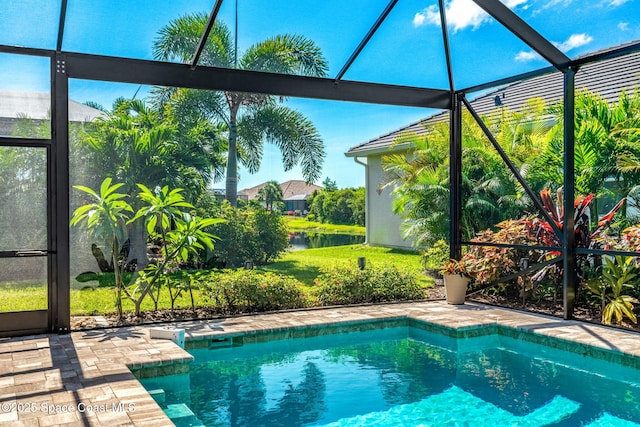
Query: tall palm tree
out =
(252, 119)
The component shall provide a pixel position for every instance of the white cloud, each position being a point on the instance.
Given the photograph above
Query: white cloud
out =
(418, 19)
(623, 26)
(574, 41)
(526, 56)
(460, 14)
(616, 3)
(428, 16)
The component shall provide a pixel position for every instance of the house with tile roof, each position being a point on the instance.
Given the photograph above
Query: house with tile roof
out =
(608, 78)
(295, 193)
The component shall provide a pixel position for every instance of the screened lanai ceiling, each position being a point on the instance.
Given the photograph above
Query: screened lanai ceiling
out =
(397, 42)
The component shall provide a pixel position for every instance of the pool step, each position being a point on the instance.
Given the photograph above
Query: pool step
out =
(182, 415)
(159, 396)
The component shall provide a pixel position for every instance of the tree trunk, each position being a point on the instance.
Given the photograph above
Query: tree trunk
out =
(232, 166)
(138, 237)
(117, 272)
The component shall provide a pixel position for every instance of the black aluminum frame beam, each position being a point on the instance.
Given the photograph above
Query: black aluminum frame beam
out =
(31, 51)
(600, 56)
(63, 18)
(205, 35)
(366, 39)
(445, 41)
(23, 142)
(517, 274)
(455, 177)
(106, 68)
(58, 221)
(610, 54)
(525, 32)
(509, 80)
(514, 246)
(570, 276)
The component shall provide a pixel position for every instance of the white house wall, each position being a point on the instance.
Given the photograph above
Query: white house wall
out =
(383, 226)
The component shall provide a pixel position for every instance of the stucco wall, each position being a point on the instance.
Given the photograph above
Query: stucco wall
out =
(383, 226)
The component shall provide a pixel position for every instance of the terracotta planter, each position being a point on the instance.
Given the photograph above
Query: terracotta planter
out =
(455, 288)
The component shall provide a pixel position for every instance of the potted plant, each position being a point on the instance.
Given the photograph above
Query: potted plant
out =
(456, 280)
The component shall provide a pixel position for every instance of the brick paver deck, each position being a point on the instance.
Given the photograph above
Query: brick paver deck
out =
(85, 378)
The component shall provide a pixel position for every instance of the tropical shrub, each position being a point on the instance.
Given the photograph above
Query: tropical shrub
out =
(236, 291)
(435, 256)
(162, 211)
(617, 276)
(488, 263)
(630, 239)
(272, 235)
(106, 215)
(249, 233)
(344, 284)
(545, 234)
(454, 267)
(344, 206)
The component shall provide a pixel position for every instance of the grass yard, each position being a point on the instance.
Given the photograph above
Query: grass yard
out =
(101, 300)
(296, 223)
(22, 296)
(97, 297)
(305, 265)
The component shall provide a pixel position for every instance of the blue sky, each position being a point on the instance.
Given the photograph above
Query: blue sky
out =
(406, 50)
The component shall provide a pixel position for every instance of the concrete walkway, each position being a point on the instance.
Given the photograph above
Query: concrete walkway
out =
(85, 378)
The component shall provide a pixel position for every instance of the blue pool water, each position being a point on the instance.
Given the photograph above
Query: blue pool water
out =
(401, 376)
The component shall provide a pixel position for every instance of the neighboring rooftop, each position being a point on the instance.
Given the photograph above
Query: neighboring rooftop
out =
(37, 106)
(607, 78)
(291, 188)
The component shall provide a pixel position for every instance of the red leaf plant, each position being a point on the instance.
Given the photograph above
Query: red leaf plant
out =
(542, 231)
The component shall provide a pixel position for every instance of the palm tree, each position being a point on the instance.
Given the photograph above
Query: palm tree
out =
(136, 144)
(606, 147)
(251, 119)
(270, 194)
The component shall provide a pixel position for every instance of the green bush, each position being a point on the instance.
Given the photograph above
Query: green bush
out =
(248, 233)
(436, 256)
(343, 284)
(238, 291)
(344, 206)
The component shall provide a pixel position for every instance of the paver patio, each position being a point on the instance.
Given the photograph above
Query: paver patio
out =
(85, 378)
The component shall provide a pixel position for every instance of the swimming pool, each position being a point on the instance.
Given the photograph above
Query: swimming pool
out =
(401, 374)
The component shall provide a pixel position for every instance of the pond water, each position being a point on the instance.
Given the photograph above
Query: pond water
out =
(302, 240)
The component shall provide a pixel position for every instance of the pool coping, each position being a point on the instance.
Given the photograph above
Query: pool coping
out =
(85, 378)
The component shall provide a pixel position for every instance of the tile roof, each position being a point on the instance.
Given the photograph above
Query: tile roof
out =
(289, 188)
(607, 77)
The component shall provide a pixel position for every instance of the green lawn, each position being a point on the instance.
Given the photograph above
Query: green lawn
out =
(305, 265)
(101, 300)
(296, 223)
(20, 296)
(96, 297)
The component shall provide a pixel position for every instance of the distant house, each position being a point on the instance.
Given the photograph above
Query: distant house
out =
(220, 194)
(295, 194)
(607, 78)
(36, 107)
